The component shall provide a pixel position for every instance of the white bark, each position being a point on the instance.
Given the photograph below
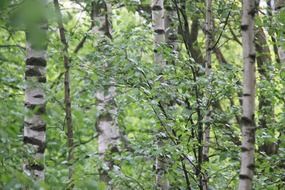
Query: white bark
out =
(159, 30)
(107, 123)
(248, 105)
(158, 24)
(34, 124)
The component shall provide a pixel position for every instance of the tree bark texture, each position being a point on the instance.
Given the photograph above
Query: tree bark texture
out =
(35, 102)
(158, 24)
(67, 95)
(208, 59)
(107, 122)
(248, 105)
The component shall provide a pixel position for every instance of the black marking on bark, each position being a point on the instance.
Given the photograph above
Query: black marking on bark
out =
(244, 149)
(244, 177)
(252, 12)
(172, 37)
(251, 166)
(246, 94)
(278, 7)
(244, 27)
(38, 108)
(205, 158)
(253, 57)
(114, 149)
(42, 79)
(159, 31)
(105, 117)
(246, 121)
(39, 167)
(116, 138)
(37, 61)
(34, 141)
(39, 127)
(156, 8)
(33, 72)
(38, 96)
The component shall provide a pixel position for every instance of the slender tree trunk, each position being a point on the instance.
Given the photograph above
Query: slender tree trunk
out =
(266, 107)
(67, 96)
(278, 5)
(208, 45)
(248, 104)
(107, 123)
(158, 20)
(35, 102)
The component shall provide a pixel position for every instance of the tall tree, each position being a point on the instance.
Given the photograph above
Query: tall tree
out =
(248, 104)
(208, 59)
(35, 101)
(107, 121)
(158, 24)
(67, 96)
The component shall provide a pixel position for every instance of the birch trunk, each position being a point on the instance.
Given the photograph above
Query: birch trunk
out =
(248, 104)
(208, 45)
(107, 124)
(158, 25)
(35, 102)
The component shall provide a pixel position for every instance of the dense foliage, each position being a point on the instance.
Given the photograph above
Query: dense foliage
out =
(173, 102)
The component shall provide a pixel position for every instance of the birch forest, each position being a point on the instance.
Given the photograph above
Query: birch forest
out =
(142, 94)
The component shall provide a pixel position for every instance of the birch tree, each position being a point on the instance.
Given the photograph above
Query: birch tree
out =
(35, 100)
(248, 104)
(107, 122)
(158, 23)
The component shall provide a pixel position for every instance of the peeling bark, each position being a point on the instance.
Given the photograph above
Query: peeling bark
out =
(248, 104)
